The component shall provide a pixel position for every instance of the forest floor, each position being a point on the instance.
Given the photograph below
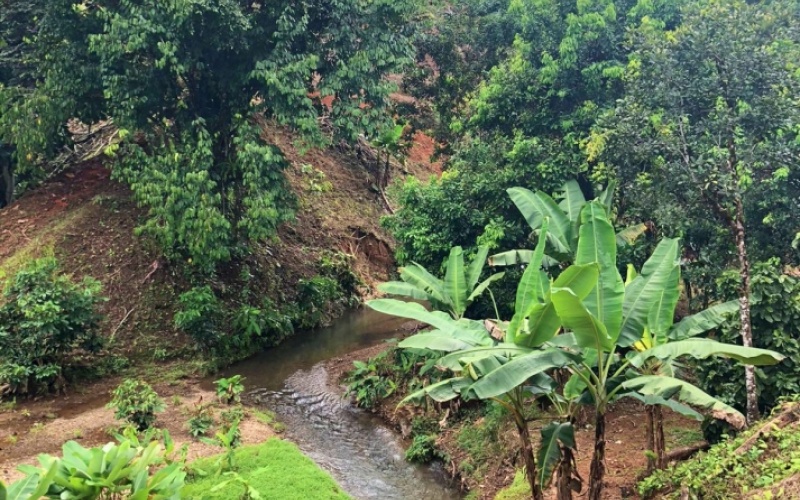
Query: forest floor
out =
(625, 444)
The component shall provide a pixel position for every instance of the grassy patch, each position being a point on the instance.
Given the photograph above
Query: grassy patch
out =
(683, 436)
(518, 490)
(40, 245)
(276, 469)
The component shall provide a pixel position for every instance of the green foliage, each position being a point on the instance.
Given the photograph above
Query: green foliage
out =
(44, 318)
(423, 449)
(723, 473)
(229, 390)
(452, 294)
(136, 402)
(315, 298)
(277, 469)
(200, 315)
(369, 382)
(189, 86)
(129, 469)
(201, 421)
(775, 311)
(709, 122)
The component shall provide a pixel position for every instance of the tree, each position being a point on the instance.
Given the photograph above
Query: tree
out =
(708, 129)
(189, 83)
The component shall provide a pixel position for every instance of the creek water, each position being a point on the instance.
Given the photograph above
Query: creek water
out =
(355, 447)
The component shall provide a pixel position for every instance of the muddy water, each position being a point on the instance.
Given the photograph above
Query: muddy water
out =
(362, 454)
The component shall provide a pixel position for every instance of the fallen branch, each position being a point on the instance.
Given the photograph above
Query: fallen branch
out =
(685, 452)
(114, 333)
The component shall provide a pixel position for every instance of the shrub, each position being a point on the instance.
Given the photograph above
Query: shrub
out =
(315, 298)
(129, 469)
(229, 390)
(201, 421)
(44, 318)
(136, 402)
(201, 316)
(369, 382)
(775, 311)
(423, 449)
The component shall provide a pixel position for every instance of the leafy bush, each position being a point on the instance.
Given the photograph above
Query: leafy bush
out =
(129, 469)
(369, 382)
(316, 296)
(229, 390)
(775, 311)
(423, 449)
(136, 402)
(44, 318)
(201, 316)
(201, 420)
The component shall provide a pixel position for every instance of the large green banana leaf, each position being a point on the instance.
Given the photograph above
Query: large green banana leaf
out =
(703, 321)
(438, 340)
(704, 348)
(34, 485)
(514, 373)
(403, 289)
(553, 435)
(535, 207)
(687, 393)
(596, 244)
(418, 276)
(529, 289)
(642, 293)
(677, 407)
(629, 235)
(440, 391)
(572, 200)
(478, 290)
(412, 310)
(476, 267)
(456, 360)
(662, 313)
(455, 281)
(521, 257)
(589, 331)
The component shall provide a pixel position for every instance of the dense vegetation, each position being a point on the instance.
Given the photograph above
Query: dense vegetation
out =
(629, 169)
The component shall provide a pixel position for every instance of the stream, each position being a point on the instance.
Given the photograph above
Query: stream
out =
(364, 456)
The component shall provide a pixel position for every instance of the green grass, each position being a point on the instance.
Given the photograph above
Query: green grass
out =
(518, 490)
(276, 469)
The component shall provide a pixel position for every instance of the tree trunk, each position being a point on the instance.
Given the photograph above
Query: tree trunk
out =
(658, 436)
(598, 468)
(744, 310)
(651, 441)
(527, 456)
(564, 479)
(6, 181)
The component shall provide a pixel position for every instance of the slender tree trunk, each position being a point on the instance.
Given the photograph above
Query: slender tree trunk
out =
(527, 457)
(6, 181)
(658, 436)
(598, 469)
(744, 310)
(651, 439)
(564, 479)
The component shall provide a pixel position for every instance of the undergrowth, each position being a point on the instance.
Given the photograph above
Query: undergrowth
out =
(723, 473)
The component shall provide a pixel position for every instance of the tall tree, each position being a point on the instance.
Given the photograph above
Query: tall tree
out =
(709, 127)
(185, 81)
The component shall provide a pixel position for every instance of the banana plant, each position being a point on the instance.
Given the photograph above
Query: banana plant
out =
(565, 220)
(661, 330)
(613, 317)
(508, 370)
(459, 288)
